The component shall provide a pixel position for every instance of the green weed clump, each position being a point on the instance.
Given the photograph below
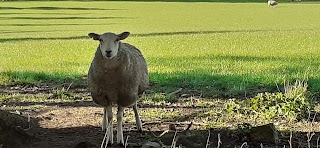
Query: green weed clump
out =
(61, 94)
(295, 103)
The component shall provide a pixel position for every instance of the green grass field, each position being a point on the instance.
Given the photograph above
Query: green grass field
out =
(216, 49)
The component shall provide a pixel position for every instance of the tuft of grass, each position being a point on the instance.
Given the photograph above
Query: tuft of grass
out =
(159, 97)
(60, 94)
(5, 79)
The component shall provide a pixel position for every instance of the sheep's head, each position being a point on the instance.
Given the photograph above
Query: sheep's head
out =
(109, 42)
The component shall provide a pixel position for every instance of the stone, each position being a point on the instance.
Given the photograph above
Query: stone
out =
(264, 134)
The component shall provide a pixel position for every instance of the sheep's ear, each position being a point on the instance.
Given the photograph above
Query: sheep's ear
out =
(94, 36)
(123, 35)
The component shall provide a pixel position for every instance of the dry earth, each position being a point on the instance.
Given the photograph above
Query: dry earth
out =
(76, 124)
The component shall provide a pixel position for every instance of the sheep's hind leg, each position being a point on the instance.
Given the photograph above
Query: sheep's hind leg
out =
(138, 120)
(120, 140)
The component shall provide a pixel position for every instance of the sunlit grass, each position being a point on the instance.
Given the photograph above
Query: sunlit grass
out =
(218, 49)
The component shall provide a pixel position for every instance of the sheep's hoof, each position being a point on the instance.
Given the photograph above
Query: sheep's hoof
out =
(110, 145)
(140, 131)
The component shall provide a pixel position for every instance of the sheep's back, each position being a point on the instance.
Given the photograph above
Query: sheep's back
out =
(139, 64)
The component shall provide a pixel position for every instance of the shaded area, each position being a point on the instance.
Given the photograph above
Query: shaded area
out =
(75, 103)
(195, 32)
(40, 39)
(196, 82)
(212, 86)
(12, 129)
(62, 18)
(25, 77)
(52, 8)
(66, 123)
(210, 83)
(47, 13)
(91, 135)
(209, 32)
(70, 137)
(133, 35)
(100, 24)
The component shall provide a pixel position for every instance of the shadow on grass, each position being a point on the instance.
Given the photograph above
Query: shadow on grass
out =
(62, 18)
(133, 35)
(25, 77)
(206, 83)
(41, 39)
(47, 13)
(196, 82)
(52, 8)
(207, 32)
(194, 32)
(100, 24)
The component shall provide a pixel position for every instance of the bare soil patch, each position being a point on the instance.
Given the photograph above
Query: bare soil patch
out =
(77, 124)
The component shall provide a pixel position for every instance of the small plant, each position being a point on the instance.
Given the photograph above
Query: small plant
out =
(293, 104)
(243, 129)
(160, 97)
(60, 94)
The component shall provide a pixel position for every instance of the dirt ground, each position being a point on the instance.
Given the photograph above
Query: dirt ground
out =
(76, 124)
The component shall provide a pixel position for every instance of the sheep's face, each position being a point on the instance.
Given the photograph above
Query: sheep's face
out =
(109, 43)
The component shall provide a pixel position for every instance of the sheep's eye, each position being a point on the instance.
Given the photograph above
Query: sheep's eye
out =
(101, 40)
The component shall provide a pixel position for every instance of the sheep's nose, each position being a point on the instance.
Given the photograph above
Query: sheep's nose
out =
(108, 53)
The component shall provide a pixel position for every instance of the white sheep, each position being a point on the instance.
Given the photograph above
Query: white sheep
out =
(272, 3)
(118, 74)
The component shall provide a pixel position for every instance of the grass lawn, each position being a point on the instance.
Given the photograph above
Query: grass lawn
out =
(211, 50)
(220, 49)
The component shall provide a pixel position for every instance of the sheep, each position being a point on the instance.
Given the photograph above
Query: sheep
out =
(118, 74)
(272, 3)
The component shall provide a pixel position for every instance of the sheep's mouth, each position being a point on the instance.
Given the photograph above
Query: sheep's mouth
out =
(108, 56)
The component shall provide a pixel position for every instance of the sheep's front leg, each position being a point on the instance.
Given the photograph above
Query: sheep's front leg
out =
(107, 123)
(104, 120)
(119, 125)
(137, 117)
